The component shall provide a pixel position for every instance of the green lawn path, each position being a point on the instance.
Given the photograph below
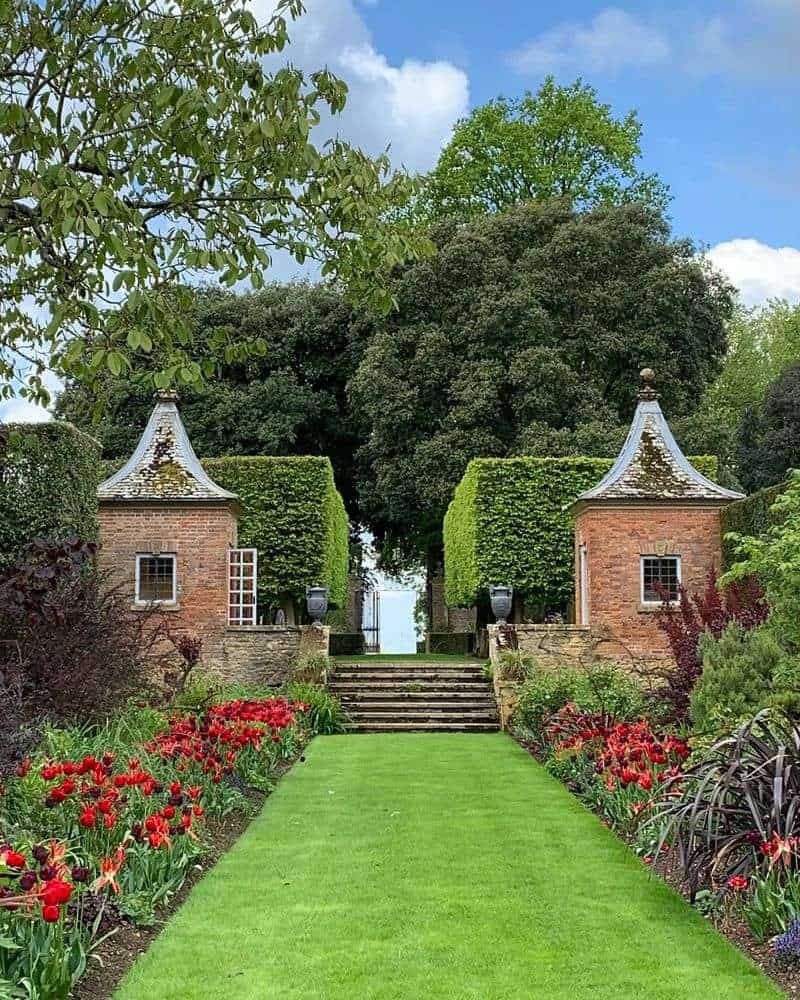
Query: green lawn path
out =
(403, 866)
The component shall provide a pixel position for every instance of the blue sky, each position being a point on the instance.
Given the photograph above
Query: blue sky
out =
(716, 86)
(715, 83)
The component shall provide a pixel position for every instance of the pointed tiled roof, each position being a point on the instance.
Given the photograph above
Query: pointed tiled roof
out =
(651, 466)
(164, 465)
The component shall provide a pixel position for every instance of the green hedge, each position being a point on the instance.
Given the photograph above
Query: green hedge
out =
(749, 517)
(294, 515)
(507, 524)
(48, 484)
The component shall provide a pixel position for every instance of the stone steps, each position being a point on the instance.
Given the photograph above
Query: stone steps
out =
(406, 687)
(410, 698)
(407, 677)
(419, 697)
(423, 727)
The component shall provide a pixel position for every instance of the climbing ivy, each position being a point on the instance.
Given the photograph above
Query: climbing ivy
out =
(293, 514)
(507, 524)
(48, 485)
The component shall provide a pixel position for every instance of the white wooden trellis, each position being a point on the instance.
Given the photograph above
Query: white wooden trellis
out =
(242, 578)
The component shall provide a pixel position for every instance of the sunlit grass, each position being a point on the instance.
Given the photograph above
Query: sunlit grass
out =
(448, 866)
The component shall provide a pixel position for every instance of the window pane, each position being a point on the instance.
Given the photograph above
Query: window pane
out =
(156, 578)
(660, 578)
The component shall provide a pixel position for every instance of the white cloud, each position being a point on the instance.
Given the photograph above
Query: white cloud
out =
(749, 39)
(20, 411)
(759, 271)
(410, 107)
(413, 105)
(612, 41)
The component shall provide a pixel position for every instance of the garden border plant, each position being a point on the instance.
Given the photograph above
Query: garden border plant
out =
(105, 824)
(706, 822)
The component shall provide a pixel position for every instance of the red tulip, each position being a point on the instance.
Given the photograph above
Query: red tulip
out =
(56, 892)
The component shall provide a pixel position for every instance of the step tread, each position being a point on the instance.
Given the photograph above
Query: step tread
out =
(407, 675)
(424, 727)
(399, 715)
(413, 705)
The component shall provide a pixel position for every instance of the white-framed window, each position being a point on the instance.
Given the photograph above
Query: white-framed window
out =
(660, 578)
(156, 578)
(242, 582)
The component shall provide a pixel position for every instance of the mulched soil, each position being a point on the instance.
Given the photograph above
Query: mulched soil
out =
(733, 928)
(112, 959)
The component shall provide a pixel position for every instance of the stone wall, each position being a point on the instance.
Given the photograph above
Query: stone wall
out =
(564, 645)
(444, 618)
(265, 654)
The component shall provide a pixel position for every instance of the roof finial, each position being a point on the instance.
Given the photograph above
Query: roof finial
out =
(165, 396)
(647, 393)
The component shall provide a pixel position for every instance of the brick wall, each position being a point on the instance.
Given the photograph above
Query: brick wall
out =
(615, 538)
(200, 535)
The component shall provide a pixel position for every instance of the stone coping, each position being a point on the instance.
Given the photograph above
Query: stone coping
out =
(238, 629)
(548, 627)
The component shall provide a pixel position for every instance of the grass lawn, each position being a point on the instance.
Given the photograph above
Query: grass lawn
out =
(451, 866)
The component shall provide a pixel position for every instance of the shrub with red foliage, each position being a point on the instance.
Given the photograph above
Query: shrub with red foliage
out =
(712, 611)
(71, 646)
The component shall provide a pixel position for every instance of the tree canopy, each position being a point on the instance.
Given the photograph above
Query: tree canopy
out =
(525, 333)
(762, 343)
(559, 142)
(142, 142)
(769, 437)
(287, 400)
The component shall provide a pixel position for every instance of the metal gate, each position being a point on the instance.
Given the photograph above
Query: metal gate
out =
(371, 618)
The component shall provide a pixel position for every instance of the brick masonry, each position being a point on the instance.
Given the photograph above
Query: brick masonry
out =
(615, 539)
(200, 535)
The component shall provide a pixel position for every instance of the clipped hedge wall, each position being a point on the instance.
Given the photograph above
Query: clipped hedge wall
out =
(749, 517)
(347, 644)
(507, 524)
(294, 515)
(49, 474)
(451, 643)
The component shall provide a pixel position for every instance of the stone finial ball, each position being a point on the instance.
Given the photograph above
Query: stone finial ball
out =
(648, 375)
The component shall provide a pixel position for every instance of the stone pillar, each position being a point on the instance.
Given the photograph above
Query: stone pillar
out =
(314, 639)
(503, 639)
(438, 609)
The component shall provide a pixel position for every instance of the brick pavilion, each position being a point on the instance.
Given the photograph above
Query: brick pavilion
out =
(169, 534)
(651, 524)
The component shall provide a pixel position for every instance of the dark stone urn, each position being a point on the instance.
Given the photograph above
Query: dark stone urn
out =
(317, 602)
(501, 599)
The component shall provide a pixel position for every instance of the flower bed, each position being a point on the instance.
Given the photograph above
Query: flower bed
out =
(99, 829)
(722, 824)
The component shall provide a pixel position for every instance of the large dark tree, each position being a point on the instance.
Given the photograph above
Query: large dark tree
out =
(769, 438)
(526, 333)
(288, 401)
